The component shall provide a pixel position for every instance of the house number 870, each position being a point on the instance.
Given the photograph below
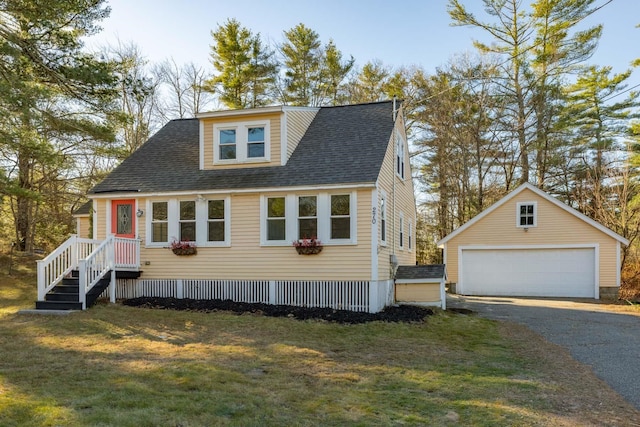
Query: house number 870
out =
(373, 215)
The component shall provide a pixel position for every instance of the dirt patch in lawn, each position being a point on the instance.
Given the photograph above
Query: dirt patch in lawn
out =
(403, 313)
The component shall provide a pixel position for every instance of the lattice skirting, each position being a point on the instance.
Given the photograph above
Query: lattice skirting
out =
(367, 296)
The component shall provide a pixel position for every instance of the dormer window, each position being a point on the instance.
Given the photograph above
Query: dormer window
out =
(227, 144)
(526, 215)
(256, 142)
(241, 142)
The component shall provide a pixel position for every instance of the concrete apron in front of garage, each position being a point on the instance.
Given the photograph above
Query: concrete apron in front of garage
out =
(594, 335)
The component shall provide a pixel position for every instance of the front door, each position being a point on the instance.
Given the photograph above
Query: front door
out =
(123, 218)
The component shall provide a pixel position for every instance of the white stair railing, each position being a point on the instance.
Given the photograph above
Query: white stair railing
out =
(59, 263)
(92, 258)
(93, 268)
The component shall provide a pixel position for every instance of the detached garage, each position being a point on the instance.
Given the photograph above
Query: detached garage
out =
(531, 244)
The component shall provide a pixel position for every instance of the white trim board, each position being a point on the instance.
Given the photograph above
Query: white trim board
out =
(551, 199)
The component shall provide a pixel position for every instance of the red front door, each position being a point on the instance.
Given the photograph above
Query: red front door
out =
(123, 218)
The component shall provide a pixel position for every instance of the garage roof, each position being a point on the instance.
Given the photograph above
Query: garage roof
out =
(544, 195)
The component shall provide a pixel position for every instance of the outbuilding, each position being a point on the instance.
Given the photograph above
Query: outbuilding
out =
(531, 244)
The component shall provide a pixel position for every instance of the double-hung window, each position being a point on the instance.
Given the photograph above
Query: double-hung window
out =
(204, 221)
(227, 144)
(307, 217)
(330, 218)
(526, 214)
(159, 222)
(187, 221)
(241, 142)
(340, 216)
(409, 237)
(276, 219)
(215, 221)
(255, 142)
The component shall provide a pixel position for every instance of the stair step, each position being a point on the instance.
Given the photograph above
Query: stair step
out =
(59, 296)
(70, 281)
(58, 305)
(65, 289)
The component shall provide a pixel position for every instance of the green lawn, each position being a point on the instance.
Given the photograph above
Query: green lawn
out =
(121, 366)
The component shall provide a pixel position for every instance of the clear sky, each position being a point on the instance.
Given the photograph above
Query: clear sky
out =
(397, 32)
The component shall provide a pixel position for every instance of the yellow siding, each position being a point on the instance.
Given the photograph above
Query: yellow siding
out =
(274, 138)
(418, 292)
(101, 212)
(554, 227)
(404, 202)
(246, 259)
(83, 225)
(298, 122)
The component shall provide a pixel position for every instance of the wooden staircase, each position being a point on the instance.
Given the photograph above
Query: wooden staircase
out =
(66, 295)
(74, 275)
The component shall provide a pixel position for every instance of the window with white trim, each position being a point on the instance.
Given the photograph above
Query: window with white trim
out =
(401, 232)
(526, 214)
(307, 217)
(215, 221)
(383, 218)
(340, 216)
(159, 222)
(410, 235)
(399, 155)
(276, 219)
(329, 217)
(255, 142)
(227, 144)
(203, 221)
(241, 142)
(187, 221)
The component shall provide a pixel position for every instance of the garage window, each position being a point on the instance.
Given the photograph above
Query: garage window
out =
(526, 214)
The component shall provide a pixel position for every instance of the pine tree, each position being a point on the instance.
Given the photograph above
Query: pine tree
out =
(302, 55)
(244, 64)
(55, 101)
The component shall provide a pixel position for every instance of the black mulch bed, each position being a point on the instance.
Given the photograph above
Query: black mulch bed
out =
(403, 313)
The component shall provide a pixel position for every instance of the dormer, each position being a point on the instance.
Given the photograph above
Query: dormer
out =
(253, 137)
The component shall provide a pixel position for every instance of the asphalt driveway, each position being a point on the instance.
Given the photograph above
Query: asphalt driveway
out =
(607, 341)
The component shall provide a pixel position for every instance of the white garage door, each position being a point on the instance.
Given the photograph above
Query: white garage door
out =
(529, 272)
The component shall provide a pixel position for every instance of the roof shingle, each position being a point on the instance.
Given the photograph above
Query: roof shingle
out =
(417, 272)
(343, 145)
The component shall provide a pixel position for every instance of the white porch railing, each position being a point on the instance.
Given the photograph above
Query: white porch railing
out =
(92, 258)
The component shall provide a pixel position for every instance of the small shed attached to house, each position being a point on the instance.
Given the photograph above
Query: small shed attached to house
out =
(83, 223)
(531, 244)
(421, 284)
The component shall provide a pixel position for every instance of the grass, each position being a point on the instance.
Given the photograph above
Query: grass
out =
(121, 366)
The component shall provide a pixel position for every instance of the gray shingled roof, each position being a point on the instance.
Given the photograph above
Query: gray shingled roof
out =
(418, 272)
(85, 209)
(343, 145)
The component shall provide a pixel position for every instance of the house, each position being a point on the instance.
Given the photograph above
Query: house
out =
(242, 186)
(531, 244)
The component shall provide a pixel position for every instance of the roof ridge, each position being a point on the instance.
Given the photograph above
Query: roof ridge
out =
(358, 104)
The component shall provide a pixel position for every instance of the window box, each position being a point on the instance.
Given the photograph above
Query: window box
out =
(309, 250)
(185, 251)
(183, 248)
(311, 246)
